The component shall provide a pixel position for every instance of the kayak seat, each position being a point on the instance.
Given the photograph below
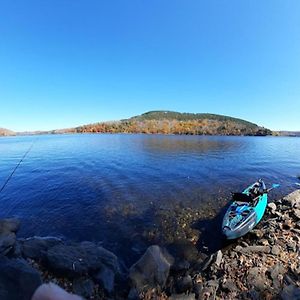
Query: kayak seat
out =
(241, 198)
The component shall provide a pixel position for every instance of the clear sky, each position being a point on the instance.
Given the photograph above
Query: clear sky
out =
(71, 62)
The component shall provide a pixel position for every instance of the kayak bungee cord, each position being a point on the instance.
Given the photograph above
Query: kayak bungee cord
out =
(16, 167)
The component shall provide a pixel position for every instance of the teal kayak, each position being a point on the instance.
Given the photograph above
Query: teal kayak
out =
(246, 210)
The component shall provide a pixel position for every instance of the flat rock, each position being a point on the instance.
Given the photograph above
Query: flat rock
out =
(151, 270)
(255, 249)
(276, 250)
(183, 297)
(219, 256)
(18, 280)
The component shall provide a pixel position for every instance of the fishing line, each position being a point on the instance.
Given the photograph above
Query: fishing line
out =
(16, 167)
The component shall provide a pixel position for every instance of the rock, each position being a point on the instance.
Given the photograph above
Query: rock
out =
(290, 292)
(182, 297)
(272, 207)
(18, 280)
(7, 242)
(184, 284)
(293, 199)
(296, 213)
(275, 250)
(9, 225)
(78, 259)
(276, 274)
(292, 246)
(218, 258)
(256, 279)
(8, 229)
(36, 247)
(83, 287)
(229, 285)
(106, 278)
(151, 269)
(256, 249)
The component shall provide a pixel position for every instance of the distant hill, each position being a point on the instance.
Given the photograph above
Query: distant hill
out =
(287, 133)
(6, 132)
(170, 122)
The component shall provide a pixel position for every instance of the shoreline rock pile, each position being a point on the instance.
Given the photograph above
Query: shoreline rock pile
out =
(264, 264)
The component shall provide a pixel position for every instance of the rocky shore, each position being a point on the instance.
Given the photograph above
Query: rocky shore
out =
(265, 264)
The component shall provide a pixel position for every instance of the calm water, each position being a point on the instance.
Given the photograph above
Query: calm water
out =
(72, 185)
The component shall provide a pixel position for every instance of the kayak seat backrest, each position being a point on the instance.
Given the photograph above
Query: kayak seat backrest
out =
(241, 197)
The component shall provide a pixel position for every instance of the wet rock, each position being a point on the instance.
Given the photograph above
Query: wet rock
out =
(83, 287)
(74, 260)
(18, 280)
(7, 242)
(290, 292)
(36, 247)
(9, 225)
(184, 284)
(151, 269)
(272, 207)
(8, 229)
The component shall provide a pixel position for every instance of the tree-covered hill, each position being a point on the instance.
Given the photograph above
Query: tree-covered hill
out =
(169, 122)
(6, 132)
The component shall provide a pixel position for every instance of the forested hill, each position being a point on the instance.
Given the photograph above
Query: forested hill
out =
(169, 122)
(6, 132)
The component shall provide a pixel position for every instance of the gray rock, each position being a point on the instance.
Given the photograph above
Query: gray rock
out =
(151, 269)
(83, 287)
(256, 279)
(293, 199)
(219, 257)
(18, 280)
(272, 207)
(290, 292)
(275, 250)
(256, 249)
(275, 272)
(229, 285)
(182, 297)
(36, 247)
(78, 259)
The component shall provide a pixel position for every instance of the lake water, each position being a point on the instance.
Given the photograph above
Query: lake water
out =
(88, 187)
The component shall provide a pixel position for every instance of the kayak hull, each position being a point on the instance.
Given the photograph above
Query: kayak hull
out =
(240, 218)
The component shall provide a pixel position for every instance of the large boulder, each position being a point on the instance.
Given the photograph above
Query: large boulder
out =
(293, 199)
(8, 229)
(78, 259)
(151, 270)
(18, 280)
(36, 247)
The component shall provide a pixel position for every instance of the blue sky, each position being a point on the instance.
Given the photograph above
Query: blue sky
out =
(65, 63)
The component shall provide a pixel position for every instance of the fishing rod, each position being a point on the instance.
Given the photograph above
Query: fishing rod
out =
(17, 166)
